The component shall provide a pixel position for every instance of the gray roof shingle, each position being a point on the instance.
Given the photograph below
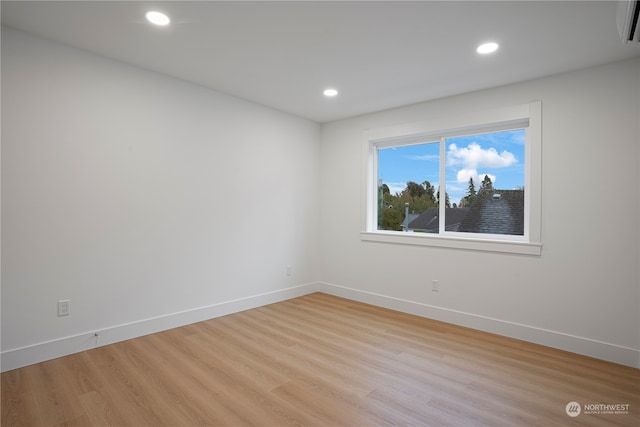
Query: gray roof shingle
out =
(496, 212)
(428, 221)
(492, 212)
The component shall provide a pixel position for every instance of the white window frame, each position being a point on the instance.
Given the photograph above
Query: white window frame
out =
(527, 116)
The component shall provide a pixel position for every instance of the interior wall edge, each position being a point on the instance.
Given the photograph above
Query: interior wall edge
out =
(585, 346)
(36, 353)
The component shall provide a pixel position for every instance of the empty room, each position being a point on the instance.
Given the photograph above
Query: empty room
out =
(320, 213)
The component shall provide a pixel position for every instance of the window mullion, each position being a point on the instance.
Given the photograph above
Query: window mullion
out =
(442, 196)
(375, 192)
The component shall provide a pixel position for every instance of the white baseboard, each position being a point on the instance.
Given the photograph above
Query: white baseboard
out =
(585, 346)
(24, 356)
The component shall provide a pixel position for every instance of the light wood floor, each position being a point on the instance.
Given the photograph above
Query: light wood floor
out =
(318, 360)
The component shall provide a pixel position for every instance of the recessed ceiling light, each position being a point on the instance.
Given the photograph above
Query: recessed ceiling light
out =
(487, 48)
(157, 18)
(330, 92)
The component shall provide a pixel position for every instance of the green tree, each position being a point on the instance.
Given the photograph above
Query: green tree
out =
(486, 184)
(471, 194)
(383, 193)
(447, 202)
(430, 191)
(391, 213)
(415, 190)
(391, 219)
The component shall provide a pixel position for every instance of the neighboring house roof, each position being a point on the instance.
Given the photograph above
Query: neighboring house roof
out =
(429, 223)
(412, 216)
(496, 212)
(492, 212)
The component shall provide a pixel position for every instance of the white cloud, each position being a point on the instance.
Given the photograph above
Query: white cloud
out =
(473, 156)
(396, 187)
(425, 157)
(463, 175)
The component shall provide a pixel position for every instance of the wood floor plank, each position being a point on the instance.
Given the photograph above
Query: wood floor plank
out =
(318, 360)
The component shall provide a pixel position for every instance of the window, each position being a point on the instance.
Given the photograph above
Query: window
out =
(469, 182)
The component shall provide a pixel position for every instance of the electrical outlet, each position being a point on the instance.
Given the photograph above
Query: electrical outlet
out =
(435, 286)
(289, 270)
(64, 307)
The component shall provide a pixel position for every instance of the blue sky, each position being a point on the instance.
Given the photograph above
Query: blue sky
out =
(499, 155)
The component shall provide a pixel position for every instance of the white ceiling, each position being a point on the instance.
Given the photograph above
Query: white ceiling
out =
(379, 55)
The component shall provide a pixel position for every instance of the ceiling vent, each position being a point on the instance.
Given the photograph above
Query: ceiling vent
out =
(627, 20)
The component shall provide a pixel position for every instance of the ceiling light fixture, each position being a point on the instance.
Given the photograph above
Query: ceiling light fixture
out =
(330, 92)
(157, 18)
(486, 48)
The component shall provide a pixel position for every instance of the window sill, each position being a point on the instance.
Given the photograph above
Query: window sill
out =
(420, 239)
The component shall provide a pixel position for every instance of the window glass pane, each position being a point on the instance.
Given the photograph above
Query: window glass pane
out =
(408, 179)
(485, 176)
(476, 162)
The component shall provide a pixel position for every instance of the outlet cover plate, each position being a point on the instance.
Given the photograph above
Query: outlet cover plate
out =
(64, 307)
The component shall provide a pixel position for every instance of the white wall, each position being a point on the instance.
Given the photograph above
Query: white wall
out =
(138, 196)
(150, 202)
(582, 293)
